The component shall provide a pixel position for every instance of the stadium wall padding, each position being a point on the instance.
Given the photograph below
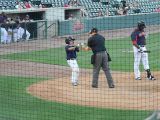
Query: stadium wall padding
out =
(77, 26)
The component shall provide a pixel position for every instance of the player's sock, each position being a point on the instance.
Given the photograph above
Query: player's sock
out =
(148, 73)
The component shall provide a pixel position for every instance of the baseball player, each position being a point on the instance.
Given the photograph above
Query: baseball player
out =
(71, 50)
(4, 34)
(20, 33)
(138, 37)
(9, 37)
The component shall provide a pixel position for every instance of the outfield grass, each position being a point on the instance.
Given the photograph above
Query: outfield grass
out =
(17, 104)
(122, 60)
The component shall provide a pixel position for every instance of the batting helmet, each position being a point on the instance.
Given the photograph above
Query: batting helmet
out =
(141, 25)
(67, 40)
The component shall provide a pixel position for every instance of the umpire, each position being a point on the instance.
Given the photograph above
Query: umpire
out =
(99, 59)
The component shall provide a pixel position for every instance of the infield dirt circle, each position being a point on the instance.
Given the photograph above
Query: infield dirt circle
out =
(128, 93)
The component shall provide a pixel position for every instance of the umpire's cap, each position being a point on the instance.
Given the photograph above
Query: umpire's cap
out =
(95, 30)
(68, 39)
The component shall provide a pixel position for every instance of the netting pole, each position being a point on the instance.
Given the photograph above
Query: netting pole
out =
(46, 29)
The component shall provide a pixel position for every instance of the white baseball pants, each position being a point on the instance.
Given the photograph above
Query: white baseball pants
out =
(15, 35)
(137, 59)
(27, 35)
(4, 35)
(75, 70)
(9, 37)
(18, 34)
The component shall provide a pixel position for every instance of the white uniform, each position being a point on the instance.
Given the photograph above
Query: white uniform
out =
(27, 35)
(138, 38)
(4, 35)
(72, 62)
(138, 56)
(75, 70)
(9, 37)
(139, 42)
(19, 32)
(15, 35)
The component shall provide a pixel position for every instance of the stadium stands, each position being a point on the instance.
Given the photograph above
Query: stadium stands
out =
(92, 8)
(7, 4)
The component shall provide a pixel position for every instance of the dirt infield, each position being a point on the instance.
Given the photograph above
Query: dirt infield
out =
(128, 94)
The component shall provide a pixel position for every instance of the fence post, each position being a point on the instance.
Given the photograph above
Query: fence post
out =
(46, 29)
(0, 33)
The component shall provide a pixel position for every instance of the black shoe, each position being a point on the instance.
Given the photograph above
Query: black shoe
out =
(151, 78)
(94, 86)
(112, 86)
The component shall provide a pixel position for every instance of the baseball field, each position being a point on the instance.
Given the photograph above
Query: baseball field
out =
(35, 81)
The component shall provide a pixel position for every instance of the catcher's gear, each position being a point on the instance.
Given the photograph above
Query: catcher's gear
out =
(67, 40)
(141, 25)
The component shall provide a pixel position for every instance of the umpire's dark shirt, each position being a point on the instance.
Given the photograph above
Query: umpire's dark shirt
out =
(97, 43)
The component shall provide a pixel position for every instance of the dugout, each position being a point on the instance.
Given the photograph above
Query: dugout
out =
(62, 13)
(35, 14)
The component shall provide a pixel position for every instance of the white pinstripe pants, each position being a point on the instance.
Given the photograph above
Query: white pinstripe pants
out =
(138, 57)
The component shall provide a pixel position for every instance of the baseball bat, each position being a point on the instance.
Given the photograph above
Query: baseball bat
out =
(146, 51)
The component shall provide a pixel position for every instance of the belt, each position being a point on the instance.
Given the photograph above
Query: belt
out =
(71, 58)
(101, 52)
(141, 45)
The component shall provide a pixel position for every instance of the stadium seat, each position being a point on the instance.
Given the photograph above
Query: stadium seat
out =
(1, 8)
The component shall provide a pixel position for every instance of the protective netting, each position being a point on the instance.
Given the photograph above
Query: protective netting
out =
(45, 61)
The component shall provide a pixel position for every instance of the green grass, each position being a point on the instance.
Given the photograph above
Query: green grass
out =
(121, 61)
(17, 104)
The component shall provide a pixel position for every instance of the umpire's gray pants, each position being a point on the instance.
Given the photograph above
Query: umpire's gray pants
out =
(101, 60)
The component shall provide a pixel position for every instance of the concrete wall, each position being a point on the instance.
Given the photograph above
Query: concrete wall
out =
(53, 14)
(59, 13)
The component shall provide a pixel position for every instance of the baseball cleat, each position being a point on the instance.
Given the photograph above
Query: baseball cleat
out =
(112, 86)
(74, 84)
(94, 86)
(138, 78)
(151, 78)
